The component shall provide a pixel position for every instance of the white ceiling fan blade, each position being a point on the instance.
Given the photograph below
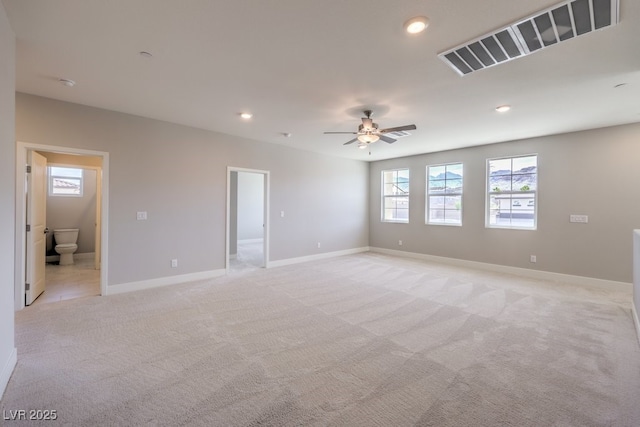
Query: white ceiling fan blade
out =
(350, 142)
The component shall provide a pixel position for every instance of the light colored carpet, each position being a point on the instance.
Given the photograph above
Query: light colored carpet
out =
(362, 340)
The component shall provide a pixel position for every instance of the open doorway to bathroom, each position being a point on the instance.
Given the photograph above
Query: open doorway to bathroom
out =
(74, 204)
(247, 224)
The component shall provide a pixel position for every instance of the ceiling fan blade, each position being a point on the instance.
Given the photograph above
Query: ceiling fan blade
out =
(399, 128)
(351, 133)
(367, 123)
(387, 139)
(350, 142)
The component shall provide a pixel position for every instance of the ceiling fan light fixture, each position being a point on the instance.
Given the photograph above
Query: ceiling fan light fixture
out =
(416, 25)
(246, 116)
(503, 108)
(362, 145)
(368, 138)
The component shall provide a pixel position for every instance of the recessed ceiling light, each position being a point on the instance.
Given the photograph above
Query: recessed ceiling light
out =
(503, 108)
(246, 116)
(619, 85)
(287, 134)
(416, 25)
(145, 54)
(67, 82)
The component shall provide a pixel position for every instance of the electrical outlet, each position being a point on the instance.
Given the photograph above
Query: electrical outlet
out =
(281, 214)
(174, 263)
(533, 259)
(318, 245)
(399, 242)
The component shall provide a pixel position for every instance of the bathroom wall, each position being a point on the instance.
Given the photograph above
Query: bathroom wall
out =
(250, 206)
(76, 212)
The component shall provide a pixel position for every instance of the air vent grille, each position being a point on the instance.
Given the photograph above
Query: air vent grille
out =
(561, 22)
(398, 134)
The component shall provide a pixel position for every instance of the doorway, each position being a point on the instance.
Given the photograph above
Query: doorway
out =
(247, 219)
(90, 261)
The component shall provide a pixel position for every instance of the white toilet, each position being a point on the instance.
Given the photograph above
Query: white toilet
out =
(66, 239)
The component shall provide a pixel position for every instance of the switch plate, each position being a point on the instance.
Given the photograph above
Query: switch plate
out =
(174, 263)
(141, 216)
(399, 242)
(583, 219)
(318, 245)
(281, 214)
(533, 259)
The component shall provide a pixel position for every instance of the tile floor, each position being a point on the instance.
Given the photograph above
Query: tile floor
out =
(70, 281)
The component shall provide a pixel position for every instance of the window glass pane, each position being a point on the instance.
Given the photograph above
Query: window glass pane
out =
(437, 172)
(524, 182)
(500, 167)
(69, 186)
(437, 185)
(65, 181)
(452, 217)
(67, 172)
(454, 185)
(436, 202)
(525, 164)
(403, 175)
(453, 202)
(436, 215)
(455, 169)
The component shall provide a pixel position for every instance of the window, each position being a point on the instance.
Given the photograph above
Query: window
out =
(444, 194)
(65, 181)
(395, 195)
(512, 189)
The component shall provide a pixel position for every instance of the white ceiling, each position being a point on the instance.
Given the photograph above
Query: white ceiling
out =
(304, 67)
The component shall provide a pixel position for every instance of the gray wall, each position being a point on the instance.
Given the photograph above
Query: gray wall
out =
(636, 273)
(178, 175)
(7, 196)
(76, 212)
(592, 172)
(250, 205)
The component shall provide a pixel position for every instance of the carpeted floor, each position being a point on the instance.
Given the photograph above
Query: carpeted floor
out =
(361, 340)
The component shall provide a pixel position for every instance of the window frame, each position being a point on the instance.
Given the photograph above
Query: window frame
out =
(489, 194)
(427, 220)
(384, 197)
(51, 176)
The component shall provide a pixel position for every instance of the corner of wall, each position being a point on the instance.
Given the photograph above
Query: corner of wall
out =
(7, 370)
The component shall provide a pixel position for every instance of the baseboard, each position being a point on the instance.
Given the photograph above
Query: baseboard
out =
(7, 370)
(85, 255)
(589, 282)
(324, 255)
(634, 313)
(163, 281)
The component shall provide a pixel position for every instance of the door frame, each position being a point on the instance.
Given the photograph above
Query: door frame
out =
(265, 242)
(21, 219)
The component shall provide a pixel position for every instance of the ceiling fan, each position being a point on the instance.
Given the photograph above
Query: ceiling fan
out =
(369, 133)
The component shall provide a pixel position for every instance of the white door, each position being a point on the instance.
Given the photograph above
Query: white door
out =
(36, 223)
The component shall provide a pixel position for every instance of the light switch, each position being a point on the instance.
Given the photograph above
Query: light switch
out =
(141, 216)
(583, 219)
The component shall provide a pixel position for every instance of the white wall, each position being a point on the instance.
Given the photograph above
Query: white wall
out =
(178, 175)
(636, 280)
(7, 198)
(250, 206)
(592, 172)
(76, 212)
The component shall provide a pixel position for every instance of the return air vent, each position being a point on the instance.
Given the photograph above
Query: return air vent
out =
(561, 22)
(398, 134)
